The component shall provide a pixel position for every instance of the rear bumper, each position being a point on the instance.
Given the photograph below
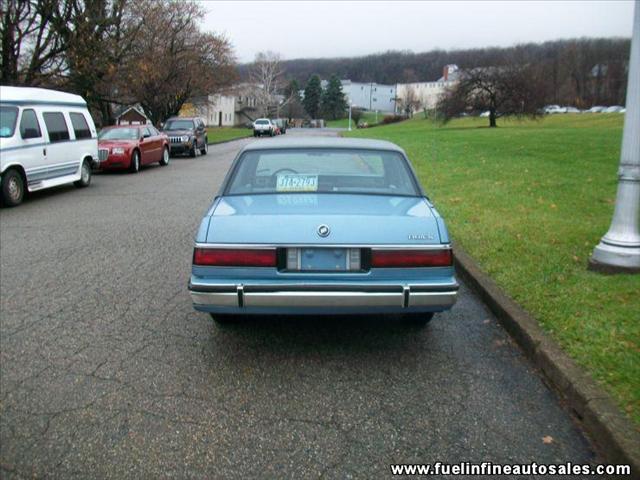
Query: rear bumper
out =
(322, 298)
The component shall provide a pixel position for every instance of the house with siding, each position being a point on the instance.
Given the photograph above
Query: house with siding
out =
(217, 110)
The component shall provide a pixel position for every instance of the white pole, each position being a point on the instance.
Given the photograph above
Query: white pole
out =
(619, 249)
(349, 116)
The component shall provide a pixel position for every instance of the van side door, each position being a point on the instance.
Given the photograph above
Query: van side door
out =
(33, 153)
(62, 155)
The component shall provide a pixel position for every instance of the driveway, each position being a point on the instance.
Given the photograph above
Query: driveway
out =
(108, 372)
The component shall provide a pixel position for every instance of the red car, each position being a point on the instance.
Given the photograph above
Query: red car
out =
(131, 146)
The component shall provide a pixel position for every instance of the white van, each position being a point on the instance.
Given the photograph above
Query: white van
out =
(47, 138)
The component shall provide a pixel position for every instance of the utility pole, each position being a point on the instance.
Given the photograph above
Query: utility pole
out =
(619, 250)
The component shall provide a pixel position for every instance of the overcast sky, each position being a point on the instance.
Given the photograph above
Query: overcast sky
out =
(311, 29)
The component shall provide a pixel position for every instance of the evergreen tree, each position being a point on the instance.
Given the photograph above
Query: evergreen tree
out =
(334, 105)
(293, 101)
(312, 95)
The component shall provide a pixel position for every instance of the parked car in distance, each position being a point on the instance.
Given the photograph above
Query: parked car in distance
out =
(47, 138)
(614, 109)
(551, 109)
(187, 135)
(263, 126)
(596, 109)
(131, 147)
(282, 124)
(322, 226)
(573, 110)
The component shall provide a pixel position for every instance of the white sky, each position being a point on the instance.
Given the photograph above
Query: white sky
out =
(312, 29)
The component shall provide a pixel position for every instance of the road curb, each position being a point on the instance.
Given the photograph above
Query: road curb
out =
(612, 432)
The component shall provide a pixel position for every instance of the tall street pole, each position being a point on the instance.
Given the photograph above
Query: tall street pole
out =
(619, 250)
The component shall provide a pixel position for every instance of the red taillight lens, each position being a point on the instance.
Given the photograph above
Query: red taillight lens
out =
(411, 258)
(224, 257)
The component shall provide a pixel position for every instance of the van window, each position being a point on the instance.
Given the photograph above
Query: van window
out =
(8, 117)
(29, 126)
(56, 126)
(80, 126)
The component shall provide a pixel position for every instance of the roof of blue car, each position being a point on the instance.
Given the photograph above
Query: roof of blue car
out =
(322, 142)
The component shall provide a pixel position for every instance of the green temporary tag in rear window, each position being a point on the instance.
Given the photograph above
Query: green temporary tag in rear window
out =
(291, 182)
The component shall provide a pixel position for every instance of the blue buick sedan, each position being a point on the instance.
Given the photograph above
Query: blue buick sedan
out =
(322, 226)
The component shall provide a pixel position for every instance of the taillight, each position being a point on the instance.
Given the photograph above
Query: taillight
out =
(411, 258)
(226, 257)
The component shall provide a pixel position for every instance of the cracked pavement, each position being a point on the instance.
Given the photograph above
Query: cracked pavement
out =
(106, 371)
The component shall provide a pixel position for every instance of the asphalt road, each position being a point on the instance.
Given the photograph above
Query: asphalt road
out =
(108, 372)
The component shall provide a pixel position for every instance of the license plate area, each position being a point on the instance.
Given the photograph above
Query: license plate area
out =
(322, 259)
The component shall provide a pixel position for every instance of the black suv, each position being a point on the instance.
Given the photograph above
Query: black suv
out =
(186, 135)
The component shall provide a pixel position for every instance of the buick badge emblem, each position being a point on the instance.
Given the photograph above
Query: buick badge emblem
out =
(323, 230)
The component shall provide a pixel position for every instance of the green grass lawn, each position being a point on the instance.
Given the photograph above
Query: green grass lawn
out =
(529, 200)
(222, 134)
(369, 117)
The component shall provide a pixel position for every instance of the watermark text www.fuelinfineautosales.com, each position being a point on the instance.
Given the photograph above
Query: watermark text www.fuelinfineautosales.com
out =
(491, 469)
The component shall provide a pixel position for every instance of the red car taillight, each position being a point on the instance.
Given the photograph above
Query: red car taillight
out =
(224, 257)
(411, 258)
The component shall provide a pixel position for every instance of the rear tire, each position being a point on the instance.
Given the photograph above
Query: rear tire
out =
(134, 166)
(12, 188)
(417, 319)
(85, 175)
(204, 150)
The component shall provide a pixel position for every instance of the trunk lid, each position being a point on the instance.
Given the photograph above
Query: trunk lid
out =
(295, 218)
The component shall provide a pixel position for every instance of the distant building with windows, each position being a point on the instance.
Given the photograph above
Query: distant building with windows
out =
(216, 110)
(428, 93)
(370, 95)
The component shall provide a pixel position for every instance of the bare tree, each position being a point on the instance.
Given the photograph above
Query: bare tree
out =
(410, 102)
(31, 40)
(173, 61)
(266, 73)
(507, 90)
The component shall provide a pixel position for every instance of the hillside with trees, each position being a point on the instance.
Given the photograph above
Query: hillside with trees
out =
(580, 72)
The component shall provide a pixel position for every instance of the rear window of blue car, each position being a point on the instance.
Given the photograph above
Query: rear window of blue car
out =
(324, 171)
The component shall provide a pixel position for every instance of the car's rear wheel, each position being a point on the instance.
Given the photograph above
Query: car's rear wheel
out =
(85, 175)
(205, 148)
(12, 188)
(134, 167)
(417, 319)
(164, 161)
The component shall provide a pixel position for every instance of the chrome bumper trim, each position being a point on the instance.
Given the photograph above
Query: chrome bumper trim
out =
(323, 299)
(396, 296)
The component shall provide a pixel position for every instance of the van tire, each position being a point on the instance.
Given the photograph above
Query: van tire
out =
(134, 166)
(12, 188)
(85, 175)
